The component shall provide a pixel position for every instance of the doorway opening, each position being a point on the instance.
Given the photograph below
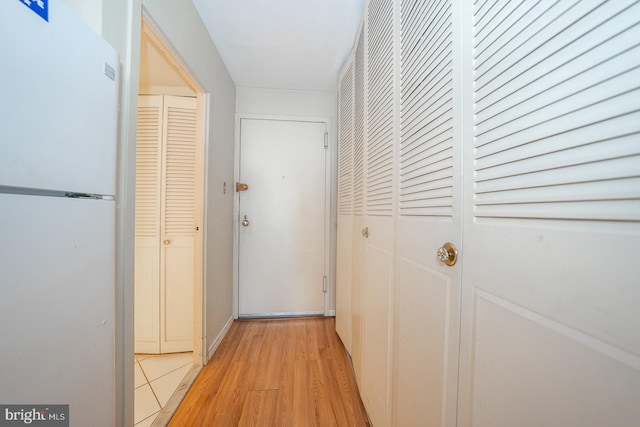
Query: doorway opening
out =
(169, 217)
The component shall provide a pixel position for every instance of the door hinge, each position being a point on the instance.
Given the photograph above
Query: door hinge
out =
(326, 140)
(324, 283)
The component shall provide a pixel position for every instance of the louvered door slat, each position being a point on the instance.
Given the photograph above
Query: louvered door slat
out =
(358, 132)
(431, 40)
(547, 81)
(380, 109)
(436, 112)
(426, 151)
(345, 144)
(180, 167)
(148, 167)
(558, 115)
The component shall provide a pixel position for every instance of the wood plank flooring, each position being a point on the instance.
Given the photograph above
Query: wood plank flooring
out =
(276, 373)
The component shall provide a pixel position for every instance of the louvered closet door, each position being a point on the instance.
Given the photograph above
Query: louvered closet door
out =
(428, 291)
(551, 330)
(147, 224)
(378, 272)
(178, 223)
(345, 208)
(358, 210)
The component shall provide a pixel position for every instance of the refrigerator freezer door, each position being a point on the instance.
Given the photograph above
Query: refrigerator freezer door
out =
(58, 109)
(57, 305)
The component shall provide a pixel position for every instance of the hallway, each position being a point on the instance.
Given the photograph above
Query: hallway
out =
(277, 372)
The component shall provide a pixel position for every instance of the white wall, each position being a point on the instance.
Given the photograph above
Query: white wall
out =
(287, 103)
(89, 11)
(182, 30)
(290, 103)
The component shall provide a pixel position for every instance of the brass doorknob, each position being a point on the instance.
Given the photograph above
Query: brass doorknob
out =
(166, 241)
(245, 222)
(448, 254)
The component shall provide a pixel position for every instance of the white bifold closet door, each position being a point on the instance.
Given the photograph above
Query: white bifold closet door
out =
(167, 189)
(430, 215)
(357, 246)
(511, 130)
(551, 278)
(380, 203)
(345, 209)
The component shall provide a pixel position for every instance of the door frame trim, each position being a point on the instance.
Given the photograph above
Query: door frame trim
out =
(329, 244)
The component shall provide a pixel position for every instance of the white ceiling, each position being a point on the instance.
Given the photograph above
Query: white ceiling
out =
(283, 44)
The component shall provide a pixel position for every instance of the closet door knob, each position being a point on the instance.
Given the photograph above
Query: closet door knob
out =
(448, 254)
(166, 242)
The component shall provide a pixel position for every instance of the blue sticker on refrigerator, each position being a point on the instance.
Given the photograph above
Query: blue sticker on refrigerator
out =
(40, 7)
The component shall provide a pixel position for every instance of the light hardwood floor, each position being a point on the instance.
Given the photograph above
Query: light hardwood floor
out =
(276, 373)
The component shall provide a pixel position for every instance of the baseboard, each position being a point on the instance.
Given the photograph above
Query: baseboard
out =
(170, 408)
(214, 345)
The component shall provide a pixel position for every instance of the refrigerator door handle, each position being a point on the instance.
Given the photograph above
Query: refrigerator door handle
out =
(5, 189)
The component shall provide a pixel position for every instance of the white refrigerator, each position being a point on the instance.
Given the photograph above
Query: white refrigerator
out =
(58, 142)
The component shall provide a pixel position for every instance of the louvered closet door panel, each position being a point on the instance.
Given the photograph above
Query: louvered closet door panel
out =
(148, 166)
(380, 108)
(430, 214)
(180, 164)
(147, 224)
(178, 221)
(359, 129)
(552, 221)
(345, 144)
(358, 208)
(345, 207)
(378, 272)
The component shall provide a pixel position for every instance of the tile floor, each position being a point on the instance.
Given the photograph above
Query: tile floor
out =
(156, 378)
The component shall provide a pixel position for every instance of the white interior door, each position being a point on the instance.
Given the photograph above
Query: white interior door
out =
(551, 332)
(282, 260)
(181, 190)
(428, 290)
(167, 222)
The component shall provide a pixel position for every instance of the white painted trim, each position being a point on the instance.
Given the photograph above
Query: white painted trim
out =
(236, 214)
(167, 90)
(154, 34)
(170, 408)
(332, 313)
(216, 342)
(283, 314)
(206, 100)
(330, 244)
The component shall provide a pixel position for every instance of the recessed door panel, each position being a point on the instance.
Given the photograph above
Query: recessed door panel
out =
(376, 319)
(424, 305)
(533, 372)
(344, 264)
